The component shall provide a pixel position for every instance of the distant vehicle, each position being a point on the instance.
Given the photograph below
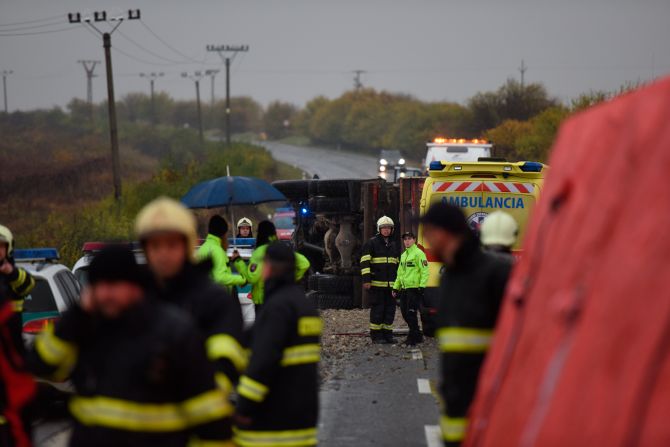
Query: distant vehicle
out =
(453, 149)
(56, 289)
(388, 159)
(399, 172)
(80, 268)
(284, 220)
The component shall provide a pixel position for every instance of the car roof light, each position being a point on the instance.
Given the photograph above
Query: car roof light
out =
(36, 254)
(436, 165)
(531, 166)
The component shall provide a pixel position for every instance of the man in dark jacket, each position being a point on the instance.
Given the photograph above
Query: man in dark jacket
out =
(167, 231)
(379, 266)
(472, 287)
(278, 403)
(138, 366)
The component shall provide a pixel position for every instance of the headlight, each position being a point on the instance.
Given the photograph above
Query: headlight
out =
(382, 175)
(383, 162)
(403, 175)
(382, 168)
(401, 161)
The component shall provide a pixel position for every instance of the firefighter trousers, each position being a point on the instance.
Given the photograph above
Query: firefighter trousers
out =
(382, 313)
(409, 307)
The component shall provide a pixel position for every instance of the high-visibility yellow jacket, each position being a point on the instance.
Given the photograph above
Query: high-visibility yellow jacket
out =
(413, 270)
(221, 272)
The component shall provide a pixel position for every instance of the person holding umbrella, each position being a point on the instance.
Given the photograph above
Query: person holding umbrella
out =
(214, 249)
(267, 234)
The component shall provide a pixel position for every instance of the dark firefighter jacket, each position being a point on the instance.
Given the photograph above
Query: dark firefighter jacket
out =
(15, 287)
(217, 315)
(470, 295)
(379, 261)
(279, 391)
(141, 380)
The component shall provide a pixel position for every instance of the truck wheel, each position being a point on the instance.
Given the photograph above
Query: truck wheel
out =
(328, 301)
(329, 205)
(336, 284)
(293, 189)
(313, 282)
(313, 297)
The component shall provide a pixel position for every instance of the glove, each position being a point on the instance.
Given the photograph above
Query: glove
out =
(394, 293)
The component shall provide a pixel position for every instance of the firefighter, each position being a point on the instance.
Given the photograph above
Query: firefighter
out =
(244, 228)
(214, 248)
(471, 290)
(253, 273)
(15, 285)
(409, 285)
(379, 265)
(278, 395)
(138, 366)
(499, 232)
(167, 231)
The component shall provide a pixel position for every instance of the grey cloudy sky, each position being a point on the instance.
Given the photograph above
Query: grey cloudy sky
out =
(434, 50)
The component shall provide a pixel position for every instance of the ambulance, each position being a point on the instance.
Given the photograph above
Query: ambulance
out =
(456, 149)
(478, 188)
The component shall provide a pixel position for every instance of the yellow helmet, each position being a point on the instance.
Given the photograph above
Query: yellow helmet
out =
(167, 215)
(245, 222)
(7, 238)
(499, 228)
(384, 221)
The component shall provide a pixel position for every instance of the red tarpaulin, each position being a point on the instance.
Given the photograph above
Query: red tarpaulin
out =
(581, 355)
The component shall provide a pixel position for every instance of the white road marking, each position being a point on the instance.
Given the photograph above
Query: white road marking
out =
(424, 386)
(416, 354)
(433, 436)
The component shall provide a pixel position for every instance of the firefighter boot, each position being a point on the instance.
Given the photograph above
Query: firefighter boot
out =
(376, 336)
(388, 337)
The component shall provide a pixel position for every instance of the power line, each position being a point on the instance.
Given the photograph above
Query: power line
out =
(148, 51)
(46, 19)
(28, 27)
(36, 32)
(170, 46)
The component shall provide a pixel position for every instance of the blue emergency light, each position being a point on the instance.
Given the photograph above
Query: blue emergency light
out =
(531, 166)
(36, 254)
(304, 211)
(436, 165)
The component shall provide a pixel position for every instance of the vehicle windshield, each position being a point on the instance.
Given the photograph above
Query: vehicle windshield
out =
(41, 298)
(82, 275)
(284, 223)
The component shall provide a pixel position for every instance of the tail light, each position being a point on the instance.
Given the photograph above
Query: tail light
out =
(37, 326)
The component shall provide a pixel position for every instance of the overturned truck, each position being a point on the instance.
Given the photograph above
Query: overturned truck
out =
(333, 220)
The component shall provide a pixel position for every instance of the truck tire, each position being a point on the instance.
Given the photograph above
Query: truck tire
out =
(313, 297)
(293, 189)
(329, 205)
(313, 282)
(328, 301)
(335, 284)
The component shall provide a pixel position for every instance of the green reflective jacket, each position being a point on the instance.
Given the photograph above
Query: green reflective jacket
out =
(253, 273)
(413, 270)
(221, 272)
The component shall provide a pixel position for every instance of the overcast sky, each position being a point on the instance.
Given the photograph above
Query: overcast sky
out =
(434, 50)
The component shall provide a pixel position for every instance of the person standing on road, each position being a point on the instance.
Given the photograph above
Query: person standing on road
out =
(167, 231)
(379, 266)
(471, 290)
(278, 395)
(499, 232)
(253, 273)
(214, 248)
(409, 285)
(138, 366)
(15, 285)
(244, 228)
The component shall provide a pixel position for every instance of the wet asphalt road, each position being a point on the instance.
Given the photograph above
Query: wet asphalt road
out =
(326, 163)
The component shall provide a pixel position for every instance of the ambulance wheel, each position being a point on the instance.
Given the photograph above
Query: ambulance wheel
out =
(328, 301)
(293, 189)
(336, 284)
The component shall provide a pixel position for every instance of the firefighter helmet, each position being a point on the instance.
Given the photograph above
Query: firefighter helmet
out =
(244, 222)
(7, 238)
(167, 215)
(499, 228)
(384, 221)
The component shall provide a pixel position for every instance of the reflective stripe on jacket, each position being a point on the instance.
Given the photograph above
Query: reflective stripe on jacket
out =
(379, 262)
(413, 270)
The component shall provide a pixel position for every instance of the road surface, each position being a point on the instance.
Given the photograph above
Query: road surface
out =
(325, 163)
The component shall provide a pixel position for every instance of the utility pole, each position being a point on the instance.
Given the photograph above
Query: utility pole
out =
(197, 76)
(89, 68)
(522, 70)
(357, 79)
(212, 74)
(227, 53)
(5, 73)
(152, 77)
(101, 16)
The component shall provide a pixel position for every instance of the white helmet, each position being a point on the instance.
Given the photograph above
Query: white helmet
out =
(166, 214)
(384, 221)
(499, 228)
(7, 238)
(244, 222)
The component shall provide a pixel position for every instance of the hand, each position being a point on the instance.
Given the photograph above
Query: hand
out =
(367, 286)
(235, 256)
(6, 267)
(394, 293)
(241, 420)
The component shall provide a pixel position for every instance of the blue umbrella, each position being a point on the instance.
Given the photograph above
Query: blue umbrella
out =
(231, 190)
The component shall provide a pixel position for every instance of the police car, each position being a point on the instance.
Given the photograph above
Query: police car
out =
(56, 289)
(89, 249)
